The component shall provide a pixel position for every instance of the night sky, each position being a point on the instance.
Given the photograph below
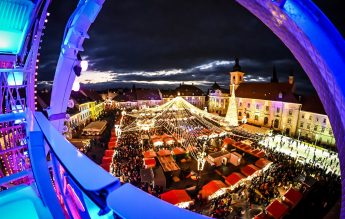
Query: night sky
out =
(162, 43)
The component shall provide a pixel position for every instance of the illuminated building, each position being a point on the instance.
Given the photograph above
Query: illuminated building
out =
(190, 93)
(137, 98)
(275, 105)
(218, 100)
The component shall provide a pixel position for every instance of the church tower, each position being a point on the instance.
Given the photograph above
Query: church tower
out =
(231, 115)
(236, 75)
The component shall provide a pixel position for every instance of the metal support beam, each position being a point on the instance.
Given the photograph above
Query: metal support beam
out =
(76, 32)
(40, 168)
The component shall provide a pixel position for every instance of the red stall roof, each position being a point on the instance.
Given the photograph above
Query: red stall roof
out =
(176, 196)
(109, 153)
(178, 150)
(228, 141)
(112, 139)
(277, 209)
(262, 162)
(106, 160)
(149, 162)
(149, 154)
(164, 152)
(249, 170)
(112, 145)
(233, 178)
(211, 187)
(293, 196)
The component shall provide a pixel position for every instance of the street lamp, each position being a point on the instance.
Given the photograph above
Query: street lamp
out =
(299, 134)
(201, 164)
(316, 136)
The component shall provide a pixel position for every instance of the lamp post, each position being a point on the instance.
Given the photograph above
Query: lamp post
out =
(316, 136)
(299, 134)
(201, 163)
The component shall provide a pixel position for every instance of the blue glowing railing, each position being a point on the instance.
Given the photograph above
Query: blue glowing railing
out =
(84, 189)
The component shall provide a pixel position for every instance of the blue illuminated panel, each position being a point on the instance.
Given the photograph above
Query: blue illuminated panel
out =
(14, 22)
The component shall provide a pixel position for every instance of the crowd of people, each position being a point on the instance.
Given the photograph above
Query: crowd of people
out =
(282, 174)
(128, 161)
(259, 191)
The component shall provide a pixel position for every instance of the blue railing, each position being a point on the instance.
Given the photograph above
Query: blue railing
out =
(88, 191)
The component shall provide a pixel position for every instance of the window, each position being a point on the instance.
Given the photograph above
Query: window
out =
(265, 121)
(310, 117)
(240, 103)
(248, 105)
(323, 129)
(289, 121)
(330, 132)
(315, 128)
(239, 113)
(317, 119)
(276, 123)
(290, 112)
(301, 125)
(256, 118)
(302, 116)
(248, 116)
(233, 77)
(257, 106)
(278, 109)
(324, 120)
(267, 108)
(308, 126)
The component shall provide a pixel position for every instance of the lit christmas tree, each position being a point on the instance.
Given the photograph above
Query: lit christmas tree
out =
(231, 115)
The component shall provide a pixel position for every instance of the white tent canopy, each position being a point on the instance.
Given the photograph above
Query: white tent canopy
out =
(186, 123)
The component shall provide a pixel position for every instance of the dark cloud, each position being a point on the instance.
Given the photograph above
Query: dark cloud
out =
(152, 35)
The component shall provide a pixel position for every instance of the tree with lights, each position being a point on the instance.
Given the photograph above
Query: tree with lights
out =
(231, 115)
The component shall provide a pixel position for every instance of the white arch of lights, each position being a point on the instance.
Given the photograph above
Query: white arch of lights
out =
(301, 26)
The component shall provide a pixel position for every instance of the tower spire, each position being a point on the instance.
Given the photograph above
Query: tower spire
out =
(274, 78)
(237, 66)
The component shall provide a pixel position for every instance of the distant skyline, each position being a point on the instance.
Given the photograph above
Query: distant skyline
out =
(163, 43)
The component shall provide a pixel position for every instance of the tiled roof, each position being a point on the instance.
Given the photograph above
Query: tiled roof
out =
(128, 95)
(93, 95)
(267, 91)
(147, 94)
(79, 97)
(189, 90)
(168, 93)
(312, 104)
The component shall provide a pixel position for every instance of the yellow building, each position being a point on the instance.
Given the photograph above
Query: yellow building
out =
(218, 100)
(274, 105)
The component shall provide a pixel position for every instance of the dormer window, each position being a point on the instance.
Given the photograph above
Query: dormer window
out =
(280, 95)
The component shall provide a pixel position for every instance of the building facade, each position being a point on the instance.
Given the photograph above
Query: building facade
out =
(190, 93)
(138, 98)
(218, 100)
(274, 105)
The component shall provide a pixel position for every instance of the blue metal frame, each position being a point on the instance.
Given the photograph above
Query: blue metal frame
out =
(40, 168)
